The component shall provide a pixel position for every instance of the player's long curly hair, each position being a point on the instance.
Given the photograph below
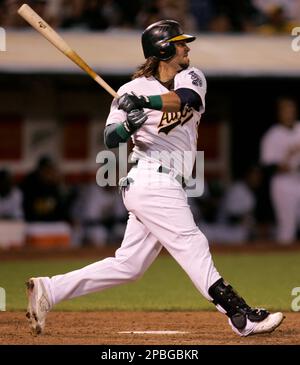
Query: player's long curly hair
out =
(147, 69)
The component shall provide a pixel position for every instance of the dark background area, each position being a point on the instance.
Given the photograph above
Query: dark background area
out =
(246, 104)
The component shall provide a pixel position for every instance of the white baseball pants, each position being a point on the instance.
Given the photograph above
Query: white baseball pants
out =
(285, 193)
(159, 215)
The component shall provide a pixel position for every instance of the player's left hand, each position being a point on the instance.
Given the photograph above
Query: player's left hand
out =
(129, 102)
(135, 119)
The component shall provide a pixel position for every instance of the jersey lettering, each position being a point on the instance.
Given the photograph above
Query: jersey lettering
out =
(171, 120)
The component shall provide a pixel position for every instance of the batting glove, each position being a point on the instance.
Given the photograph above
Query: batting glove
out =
(129, 102)
(135, 119)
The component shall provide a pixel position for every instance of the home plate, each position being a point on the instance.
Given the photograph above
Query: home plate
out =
(153, 332)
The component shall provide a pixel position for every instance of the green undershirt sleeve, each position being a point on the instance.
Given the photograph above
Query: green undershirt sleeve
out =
(114, 134)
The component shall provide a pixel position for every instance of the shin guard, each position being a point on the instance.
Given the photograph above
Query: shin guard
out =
(235, 306)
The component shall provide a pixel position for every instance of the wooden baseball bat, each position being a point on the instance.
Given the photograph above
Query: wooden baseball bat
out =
(49, 33)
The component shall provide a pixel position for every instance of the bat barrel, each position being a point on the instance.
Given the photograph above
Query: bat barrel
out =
(26, 12)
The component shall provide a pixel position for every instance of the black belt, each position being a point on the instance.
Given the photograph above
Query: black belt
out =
(166, 170)
(178, 177)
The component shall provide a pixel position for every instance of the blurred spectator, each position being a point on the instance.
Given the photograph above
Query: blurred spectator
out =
(276, 22)
(90, 14)
(127, 11)
(205, 15)
(202, 12)
(11, 18)
(155, 10)
(206, 209)
(10, 198)
(197, 203)
(2, 12)
(210, 204)
(44, 200)
(280, 154)
(41, 7)
(264, 212)
(291, 7)
(99, 216)
(234, 16)
(230, 215)
(239, 206)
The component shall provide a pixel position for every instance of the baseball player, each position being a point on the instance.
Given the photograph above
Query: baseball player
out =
(160, 110)
(280, 154)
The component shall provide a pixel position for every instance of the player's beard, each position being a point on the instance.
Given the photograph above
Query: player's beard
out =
(184, 65)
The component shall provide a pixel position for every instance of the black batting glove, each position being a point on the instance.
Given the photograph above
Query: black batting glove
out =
(129, 102)
(135, 119)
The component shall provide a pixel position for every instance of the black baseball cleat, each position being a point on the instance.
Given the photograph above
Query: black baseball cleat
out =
(243, 319)
(267, 325)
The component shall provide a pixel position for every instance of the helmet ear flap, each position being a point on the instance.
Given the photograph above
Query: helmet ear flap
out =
(166, 50)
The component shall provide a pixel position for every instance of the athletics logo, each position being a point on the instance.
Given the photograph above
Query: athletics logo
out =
(171, 120)
(2, 300)
(2, 40)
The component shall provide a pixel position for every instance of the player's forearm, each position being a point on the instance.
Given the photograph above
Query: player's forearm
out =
(170, 102)
(117, 133)
(173, 101)
(114, 134)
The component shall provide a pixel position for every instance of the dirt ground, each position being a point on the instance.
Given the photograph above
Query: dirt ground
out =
(102, 328)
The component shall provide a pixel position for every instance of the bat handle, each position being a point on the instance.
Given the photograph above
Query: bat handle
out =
(84, 66)
(101, 82)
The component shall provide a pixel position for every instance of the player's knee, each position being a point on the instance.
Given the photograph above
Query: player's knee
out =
(135, 276)
(131, 273)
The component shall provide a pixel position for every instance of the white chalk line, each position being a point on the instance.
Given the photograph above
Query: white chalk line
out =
(152, 332)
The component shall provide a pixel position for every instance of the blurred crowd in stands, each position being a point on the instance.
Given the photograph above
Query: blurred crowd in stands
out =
(262, 205)
(219, 16)
(96, 215)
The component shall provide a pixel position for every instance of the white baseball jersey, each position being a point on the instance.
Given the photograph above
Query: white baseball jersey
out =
(276, 144)
(285, 186)
(173, 133)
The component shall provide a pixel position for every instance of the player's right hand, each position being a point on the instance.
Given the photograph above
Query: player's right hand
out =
(129, 102)
(135, 119)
